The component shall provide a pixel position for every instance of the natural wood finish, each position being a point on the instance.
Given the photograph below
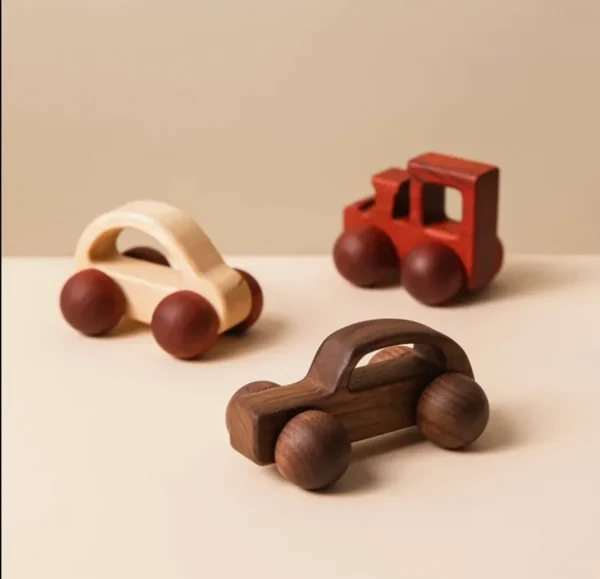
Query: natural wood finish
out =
(453, 411)
(194, 265)
(408, 209)
(367, 401)
(392, 353)
(147, 254)
(257, 304)
(313, 450)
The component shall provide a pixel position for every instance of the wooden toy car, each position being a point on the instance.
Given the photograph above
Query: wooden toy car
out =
(402, 233)
(307, 428)
(189, 296)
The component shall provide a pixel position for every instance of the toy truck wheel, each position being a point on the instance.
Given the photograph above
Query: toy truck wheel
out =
(452, 411)
(366, 257)
(185, 325)
(147, 254)
(256, 307)
(312, 450)
(432, 273)
(92, 302)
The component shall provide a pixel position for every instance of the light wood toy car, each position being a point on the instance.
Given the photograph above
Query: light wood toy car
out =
(188, 296)
(306, 428)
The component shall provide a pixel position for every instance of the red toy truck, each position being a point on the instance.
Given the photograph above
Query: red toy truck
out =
(402, 233)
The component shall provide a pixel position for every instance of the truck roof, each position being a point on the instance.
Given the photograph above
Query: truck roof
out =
(436, 164)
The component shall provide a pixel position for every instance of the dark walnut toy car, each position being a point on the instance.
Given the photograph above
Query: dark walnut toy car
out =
(306, 428)
(403, 234)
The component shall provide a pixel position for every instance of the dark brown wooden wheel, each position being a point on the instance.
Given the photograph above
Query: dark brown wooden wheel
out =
(92, 302)
(185, 325)
(366, 257)
(250, 388)
(147, 254)
(256, 307)
(313, 450)
(432, 273)
(453, 411)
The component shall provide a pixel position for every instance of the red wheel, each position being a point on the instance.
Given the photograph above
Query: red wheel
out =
(432, 273)
(312, 450)
(147, 254)
(92, 302)
(185, 325)
(250, 388)
(256, 307)
(498, 256)
(366, 257)
(453, 411)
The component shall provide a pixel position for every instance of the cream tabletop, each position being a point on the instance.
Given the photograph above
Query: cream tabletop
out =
(116, 462)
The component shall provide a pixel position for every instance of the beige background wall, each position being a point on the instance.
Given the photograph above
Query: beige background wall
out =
(263, 118)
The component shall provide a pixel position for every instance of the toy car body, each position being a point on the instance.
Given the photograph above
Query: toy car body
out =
(192, 267)
(387, 395)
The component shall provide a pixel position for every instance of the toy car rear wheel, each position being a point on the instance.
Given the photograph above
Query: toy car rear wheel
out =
(185, 325)
(452, 411)
(256, 306)
(366, 257)
(432, 273)
(92, 302)
(313, 450)
(147, 254)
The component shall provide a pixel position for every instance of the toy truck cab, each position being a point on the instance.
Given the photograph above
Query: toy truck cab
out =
(437, 257)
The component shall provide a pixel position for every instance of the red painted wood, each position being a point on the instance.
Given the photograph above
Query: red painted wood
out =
(474, 239)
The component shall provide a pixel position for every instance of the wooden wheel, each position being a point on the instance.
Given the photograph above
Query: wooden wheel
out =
(147, 254)
(432, 273)
(366, 257)
(453, 411)
(312, 450)
(92, 302)
(185, 325)
(257, 304)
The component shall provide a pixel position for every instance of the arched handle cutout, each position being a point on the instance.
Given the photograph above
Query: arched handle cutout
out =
(339, 354)
(186, 246)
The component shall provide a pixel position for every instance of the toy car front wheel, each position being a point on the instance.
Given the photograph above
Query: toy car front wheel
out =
(432, 273)
(185, 325)
(92, 302)
(366, 257)
(452, 411)
(312, 450)
(256, 306)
